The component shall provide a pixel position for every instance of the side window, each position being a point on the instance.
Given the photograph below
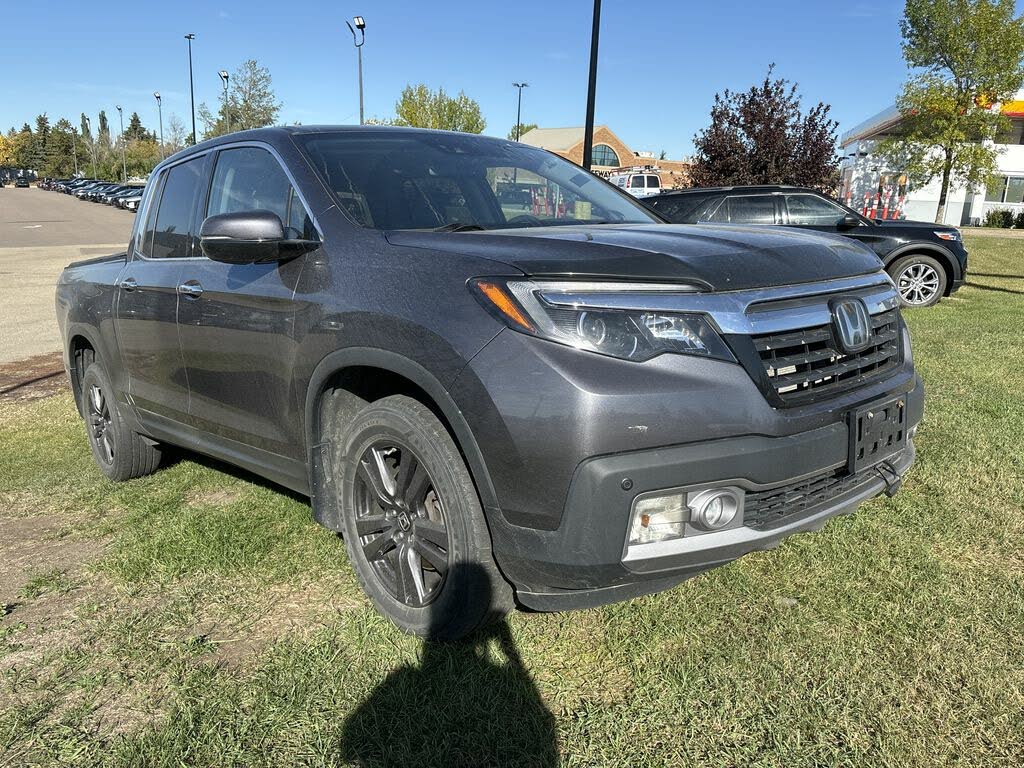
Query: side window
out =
(654, 182)
(813, 211)
(251, 179)
(144, 244)
(172, 236)
(750, 209)
(636, 182)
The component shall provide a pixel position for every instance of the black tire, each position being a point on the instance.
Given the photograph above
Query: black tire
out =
(413, 525)
(119, 452)
(920, 280)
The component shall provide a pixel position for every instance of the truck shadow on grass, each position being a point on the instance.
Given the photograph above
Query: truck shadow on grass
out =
(471, 703)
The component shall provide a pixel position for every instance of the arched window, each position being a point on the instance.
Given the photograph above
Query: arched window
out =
(605, 156)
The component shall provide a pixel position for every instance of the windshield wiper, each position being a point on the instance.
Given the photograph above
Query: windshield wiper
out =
(456, 226)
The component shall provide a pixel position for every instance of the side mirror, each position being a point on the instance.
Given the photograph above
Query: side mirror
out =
(242, 237)
(849, 221)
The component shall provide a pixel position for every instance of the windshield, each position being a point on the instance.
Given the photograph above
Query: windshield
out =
(407, 180)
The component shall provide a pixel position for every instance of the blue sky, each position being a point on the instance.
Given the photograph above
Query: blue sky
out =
(661, 61)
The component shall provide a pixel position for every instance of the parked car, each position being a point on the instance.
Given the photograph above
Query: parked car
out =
(21, 181)
(129, 202)
(563, 408)
(637, 183)
(129, 191)
(926, 261)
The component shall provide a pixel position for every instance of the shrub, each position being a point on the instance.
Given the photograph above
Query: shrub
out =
(1018, 220)
(999, 217)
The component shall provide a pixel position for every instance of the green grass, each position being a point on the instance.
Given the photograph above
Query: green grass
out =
(220, 626)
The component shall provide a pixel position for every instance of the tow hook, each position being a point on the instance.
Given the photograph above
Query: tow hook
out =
(891, 477)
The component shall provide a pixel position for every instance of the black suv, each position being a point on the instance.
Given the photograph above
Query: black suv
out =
(926, 261)
(554, 397)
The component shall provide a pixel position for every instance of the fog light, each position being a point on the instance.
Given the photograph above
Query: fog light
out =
(658, 518)
(714, 509)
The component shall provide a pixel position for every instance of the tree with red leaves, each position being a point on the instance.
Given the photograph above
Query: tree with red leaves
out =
(762, 137)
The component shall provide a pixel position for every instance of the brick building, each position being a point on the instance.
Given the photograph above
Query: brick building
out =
(610, 153)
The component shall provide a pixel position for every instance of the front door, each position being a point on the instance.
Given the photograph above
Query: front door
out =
(236, 321)
(147, 302)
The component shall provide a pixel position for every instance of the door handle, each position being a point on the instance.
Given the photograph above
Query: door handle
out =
(190, 289)
(129, 284)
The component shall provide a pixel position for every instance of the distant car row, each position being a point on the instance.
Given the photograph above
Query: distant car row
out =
(126, 196)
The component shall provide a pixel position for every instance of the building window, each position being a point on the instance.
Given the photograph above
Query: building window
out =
(1006, 189)
(605, 156)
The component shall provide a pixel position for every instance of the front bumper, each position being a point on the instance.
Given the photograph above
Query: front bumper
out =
(584, 562)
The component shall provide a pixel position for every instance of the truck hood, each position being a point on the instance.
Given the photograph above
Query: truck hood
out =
(718, 258)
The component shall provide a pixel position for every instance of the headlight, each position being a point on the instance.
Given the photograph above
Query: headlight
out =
(953, 235)
(578, 315)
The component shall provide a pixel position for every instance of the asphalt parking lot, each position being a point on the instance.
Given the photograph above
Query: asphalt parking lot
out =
(40, 233)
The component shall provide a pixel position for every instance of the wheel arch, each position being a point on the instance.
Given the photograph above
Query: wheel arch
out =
(944, 257)
(347, 370)
(80, 343)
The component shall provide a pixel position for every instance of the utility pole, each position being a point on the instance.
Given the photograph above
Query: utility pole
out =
(361, 26)
(124, 163)
(191, 86)
(519, 107)
(160, 112)
(588, 131)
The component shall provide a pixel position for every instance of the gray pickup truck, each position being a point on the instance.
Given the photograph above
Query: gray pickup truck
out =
(557, 401)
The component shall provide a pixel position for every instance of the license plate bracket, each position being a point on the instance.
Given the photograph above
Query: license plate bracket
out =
(877, 431)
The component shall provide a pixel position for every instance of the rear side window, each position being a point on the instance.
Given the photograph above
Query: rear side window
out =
(653, 182)
(172, 236)
(144, 245)
(251, 179)
(746, 209)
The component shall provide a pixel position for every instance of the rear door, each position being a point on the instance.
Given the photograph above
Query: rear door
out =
(236, 321)
(147, 301)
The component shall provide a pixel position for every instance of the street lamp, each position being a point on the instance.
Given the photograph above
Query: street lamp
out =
(92, 143)
(191, 86)
(519, 107)
(160, 111)
(588, 131)
(361, 26)
(124, 163)
(227, 115)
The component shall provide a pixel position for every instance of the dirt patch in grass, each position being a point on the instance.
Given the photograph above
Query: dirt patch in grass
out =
(215, 498)
(34, 378)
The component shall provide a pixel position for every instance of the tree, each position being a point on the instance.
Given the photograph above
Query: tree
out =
(250, 103)
(419, 106)
(970, 54)
(177, 135)
(103, 134)
(135, 129)
(762, 137)
(524, 128)
(60, 158)
(40, 138)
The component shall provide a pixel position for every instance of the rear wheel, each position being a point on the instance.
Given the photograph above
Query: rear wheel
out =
(920, 280)
(413, 525)
(119, 452)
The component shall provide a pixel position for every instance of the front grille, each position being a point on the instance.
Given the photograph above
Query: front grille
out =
(804, 363)
(767, 509)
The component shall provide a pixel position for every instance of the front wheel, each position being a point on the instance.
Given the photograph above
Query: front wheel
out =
(413, 525)
(920, 280)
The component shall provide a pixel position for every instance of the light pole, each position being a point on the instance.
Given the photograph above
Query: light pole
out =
(588, 131)
(227, 114)
(124, 163)
(361, 26)
(519, 106)
(74, 149)
(160, 111)
(92, 144)
(191, 86)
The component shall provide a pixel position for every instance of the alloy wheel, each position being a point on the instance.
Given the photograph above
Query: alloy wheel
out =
(918, 284)
(101, 431)
(400, 520)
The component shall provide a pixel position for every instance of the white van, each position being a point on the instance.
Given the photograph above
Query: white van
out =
(638, 184)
